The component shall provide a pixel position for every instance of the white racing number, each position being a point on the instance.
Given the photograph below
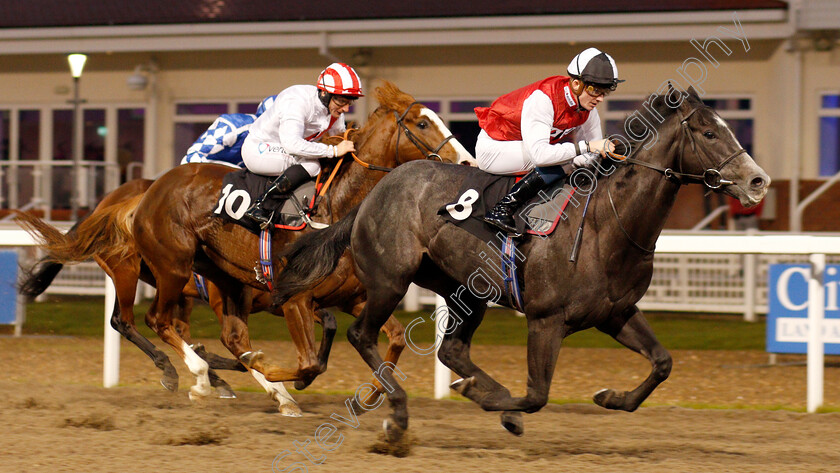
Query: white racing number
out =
(229, 199)
(462, 209)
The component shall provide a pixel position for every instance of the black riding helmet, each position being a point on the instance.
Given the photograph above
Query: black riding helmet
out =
(595, 67)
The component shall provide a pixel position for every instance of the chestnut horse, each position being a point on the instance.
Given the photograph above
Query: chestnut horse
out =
(176, 233)
(93, 237)
(397, 237)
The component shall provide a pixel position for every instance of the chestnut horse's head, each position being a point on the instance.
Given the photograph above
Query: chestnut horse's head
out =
(402, 129)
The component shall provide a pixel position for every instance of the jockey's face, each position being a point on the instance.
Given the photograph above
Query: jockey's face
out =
(589, 98)
(339, 105)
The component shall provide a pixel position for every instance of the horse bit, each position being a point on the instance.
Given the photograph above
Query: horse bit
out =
(711, 177)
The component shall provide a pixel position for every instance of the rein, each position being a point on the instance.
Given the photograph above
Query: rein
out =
(711, 177)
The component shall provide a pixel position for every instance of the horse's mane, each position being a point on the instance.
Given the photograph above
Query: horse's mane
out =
(391, 99)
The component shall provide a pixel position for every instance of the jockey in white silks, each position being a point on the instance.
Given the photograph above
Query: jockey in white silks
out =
(283, 141)
(222, 142)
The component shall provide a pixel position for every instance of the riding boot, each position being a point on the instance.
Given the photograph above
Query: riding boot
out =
(501, 215)
(284, 184)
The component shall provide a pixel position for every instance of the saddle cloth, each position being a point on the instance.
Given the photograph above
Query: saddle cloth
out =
(481, 191)
(241, 188)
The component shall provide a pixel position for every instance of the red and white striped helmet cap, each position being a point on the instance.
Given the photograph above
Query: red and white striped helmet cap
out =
(340, 79)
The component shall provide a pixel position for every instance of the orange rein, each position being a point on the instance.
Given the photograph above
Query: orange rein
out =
(334, 171)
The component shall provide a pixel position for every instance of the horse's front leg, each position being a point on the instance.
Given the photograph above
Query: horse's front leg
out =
(300, 319)
(632, 330)
(329, 327)
(233, 317)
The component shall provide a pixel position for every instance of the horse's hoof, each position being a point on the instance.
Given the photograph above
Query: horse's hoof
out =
(513, 423)
(461, 386)
(394, 441)
(290, 410)
(225, 392)
(199, 393)
(609, 399)
(171, 384)
(250, 357)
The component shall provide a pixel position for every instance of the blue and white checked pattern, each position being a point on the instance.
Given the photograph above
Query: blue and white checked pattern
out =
(222, 142)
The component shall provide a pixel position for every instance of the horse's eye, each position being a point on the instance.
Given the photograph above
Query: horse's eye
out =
(709, 135)
(423, 125)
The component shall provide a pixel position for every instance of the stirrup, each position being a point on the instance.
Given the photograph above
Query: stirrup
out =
(510, 230)
(256, 215)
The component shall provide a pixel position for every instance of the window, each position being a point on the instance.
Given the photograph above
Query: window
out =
(737, 111)
(131, 123)
(829, 134)
(36, 155)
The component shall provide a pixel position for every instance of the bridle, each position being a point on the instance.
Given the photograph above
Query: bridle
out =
(711, 177)
(428, 151)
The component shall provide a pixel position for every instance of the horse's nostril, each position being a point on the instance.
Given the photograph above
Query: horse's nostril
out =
(757, 183)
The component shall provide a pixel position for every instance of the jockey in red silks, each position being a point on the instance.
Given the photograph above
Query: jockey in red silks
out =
(545, 130)
(283, 141)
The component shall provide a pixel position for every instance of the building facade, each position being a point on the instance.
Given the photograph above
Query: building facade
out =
(156, 77)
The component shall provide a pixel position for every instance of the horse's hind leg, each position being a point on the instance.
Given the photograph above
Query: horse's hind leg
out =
(125, 272)
(181, 322)
(632, 330)
(363, 334)
(544, 338)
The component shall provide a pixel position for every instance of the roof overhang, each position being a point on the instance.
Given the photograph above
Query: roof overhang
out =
(542, 29)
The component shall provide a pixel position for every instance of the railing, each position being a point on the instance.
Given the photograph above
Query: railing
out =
(49, 184)
(709, 283)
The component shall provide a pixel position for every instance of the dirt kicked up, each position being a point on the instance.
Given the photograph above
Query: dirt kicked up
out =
(56, 417)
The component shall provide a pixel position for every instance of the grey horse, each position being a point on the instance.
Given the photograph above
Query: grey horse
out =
(396, 237)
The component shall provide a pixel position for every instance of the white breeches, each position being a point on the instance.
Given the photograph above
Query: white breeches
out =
(501, 157)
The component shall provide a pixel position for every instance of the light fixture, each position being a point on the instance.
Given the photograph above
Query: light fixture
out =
(137, 80)
(77, 64)
(143, 75)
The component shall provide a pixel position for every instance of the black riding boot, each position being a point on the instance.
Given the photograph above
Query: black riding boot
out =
(502, 214)
(284, 184)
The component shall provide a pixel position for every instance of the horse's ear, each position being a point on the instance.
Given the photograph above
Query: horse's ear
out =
(670, 88)
(692, 92)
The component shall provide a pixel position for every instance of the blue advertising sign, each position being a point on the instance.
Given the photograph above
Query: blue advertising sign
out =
(787, 317)
(8, 289)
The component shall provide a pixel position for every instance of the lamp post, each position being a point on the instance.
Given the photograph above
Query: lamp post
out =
(77, 64)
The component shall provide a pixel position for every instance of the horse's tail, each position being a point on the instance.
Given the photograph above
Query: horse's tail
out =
(105, 233)
(38, 278)
(312, 257)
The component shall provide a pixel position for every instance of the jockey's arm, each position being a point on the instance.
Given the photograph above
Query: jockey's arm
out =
(536, 125)
(291, 131)
(591, 132)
